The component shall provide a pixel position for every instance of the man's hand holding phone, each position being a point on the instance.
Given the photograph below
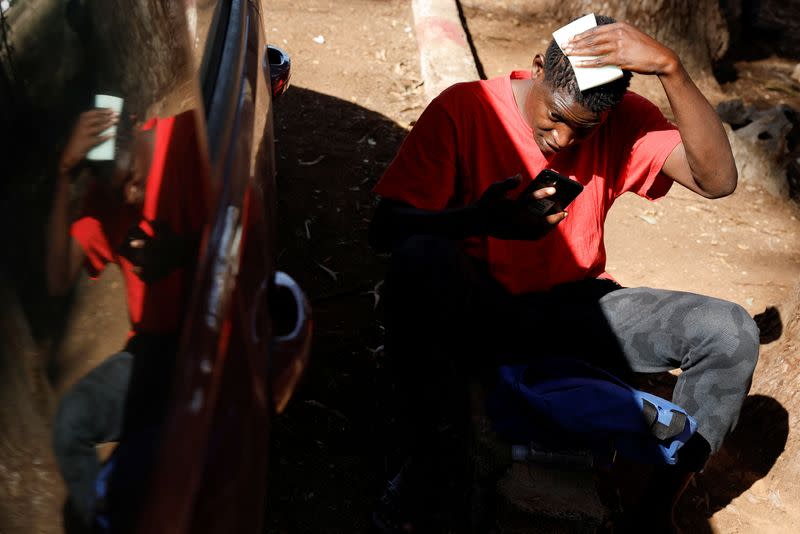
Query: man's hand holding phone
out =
(566, 191)
(508, 218)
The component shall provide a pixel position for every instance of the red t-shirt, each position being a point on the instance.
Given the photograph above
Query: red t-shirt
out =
(473, 135)
(174, 196)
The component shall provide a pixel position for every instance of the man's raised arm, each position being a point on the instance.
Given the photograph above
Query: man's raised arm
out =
(64, 254)
(703, 162)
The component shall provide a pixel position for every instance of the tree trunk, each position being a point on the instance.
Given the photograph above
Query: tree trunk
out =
(134, 42)
(695, 29)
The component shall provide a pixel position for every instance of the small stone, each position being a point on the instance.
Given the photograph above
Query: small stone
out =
(775, 498)
(796, 72)
(735, 112)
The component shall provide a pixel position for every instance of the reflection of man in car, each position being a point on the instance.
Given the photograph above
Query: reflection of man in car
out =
(145, 215)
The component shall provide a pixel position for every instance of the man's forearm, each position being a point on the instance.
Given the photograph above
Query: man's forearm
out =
(708, 151)
(58, 239)
(394, 222)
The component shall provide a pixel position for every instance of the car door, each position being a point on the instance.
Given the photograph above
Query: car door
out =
(249, 330)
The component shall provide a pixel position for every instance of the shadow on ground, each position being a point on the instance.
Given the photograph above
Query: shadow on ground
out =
(747, 456)
(328, 459)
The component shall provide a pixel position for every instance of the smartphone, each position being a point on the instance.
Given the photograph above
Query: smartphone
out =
(566, 191)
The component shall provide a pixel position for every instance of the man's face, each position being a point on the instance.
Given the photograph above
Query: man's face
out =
(557, 121)
(131, 179)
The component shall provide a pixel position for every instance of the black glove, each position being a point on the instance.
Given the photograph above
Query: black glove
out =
(506, 218)
(154, 257)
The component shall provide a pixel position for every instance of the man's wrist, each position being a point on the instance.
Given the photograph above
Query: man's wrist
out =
(672, 65)
(475, 221)
(64, 180)
(65, 171)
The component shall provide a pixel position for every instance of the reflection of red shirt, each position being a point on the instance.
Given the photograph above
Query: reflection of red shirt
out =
(174, 196)
(473, 135)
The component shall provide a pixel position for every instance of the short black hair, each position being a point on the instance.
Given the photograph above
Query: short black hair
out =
(559, 75)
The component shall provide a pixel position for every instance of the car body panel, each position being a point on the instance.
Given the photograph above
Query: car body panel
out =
(227, 396)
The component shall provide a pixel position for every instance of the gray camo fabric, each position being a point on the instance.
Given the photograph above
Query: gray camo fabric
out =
(714, 342)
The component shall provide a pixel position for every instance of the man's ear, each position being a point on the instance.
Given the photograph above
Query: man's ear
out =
(537, 66)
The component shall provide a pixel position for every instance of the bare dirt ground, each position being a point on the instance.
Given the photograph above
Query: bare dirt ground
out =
(356, 89)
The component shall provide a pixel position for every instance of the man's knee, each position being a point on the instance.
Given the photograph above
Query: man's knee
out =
(422, 254)
(71, 425)
(91, 409)
(745, 337)
(426, 294)
(426, 267)
(750, 335)
(733, 335)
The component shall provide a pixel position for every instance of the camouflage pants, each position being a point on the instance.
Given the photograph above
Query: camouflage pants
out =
(446, 316)
(714, 342)
(123, 397)
(91, 412)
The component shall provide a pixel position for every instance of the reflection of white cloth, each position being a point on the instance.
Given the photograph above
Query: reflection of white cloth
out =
(105, 150)
(586, 77)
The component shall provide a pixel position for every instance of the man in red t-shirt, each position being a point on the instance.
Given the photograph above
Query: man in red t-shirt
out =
(477, 279)
(143, 212)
